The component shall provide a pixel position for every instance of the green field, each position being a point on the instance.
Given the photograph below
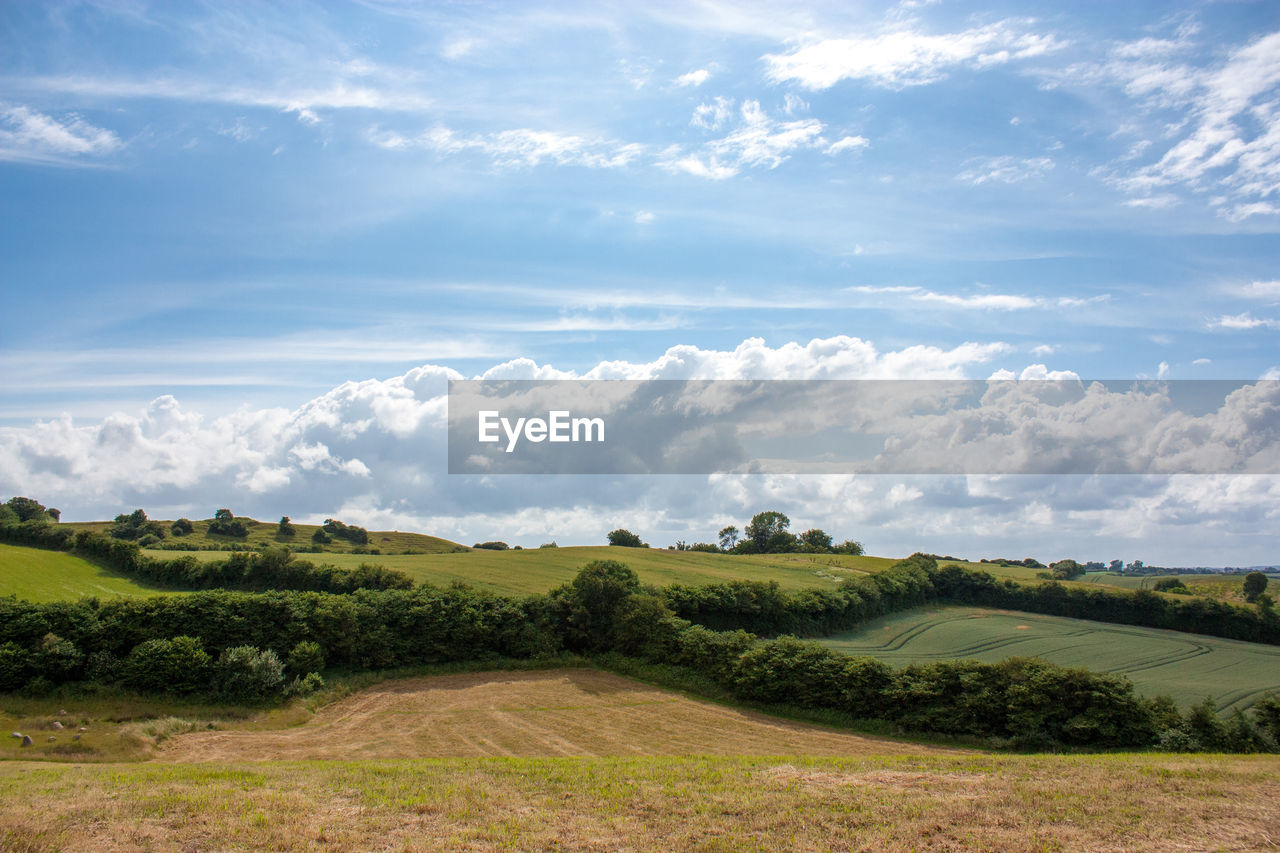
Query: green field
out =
(1187, 667)
(542, 569)
(35, 574)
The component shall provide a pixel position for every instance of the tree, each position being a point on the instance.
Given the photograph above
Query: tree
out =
(226, 524)
(1066, 569)
(27, 509)
(815, 540)
(625, 539)
(851, 547)
(320, 537)
(728, 537)
(285, 527)
(1255, 583)
(1116, 566)
(182, 527)
(768, 531)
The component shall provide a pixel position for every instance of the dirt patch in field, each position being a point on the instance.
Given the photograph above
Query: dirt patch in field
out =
(552, 713)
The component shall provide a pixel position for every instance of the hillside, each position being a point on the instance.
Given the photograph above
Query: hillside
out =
(262, 534)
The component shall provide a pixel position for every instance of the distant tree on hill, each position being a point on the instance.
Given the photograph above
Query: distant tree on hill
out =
(625, 539)
(815, 540)
(1066, 569)
(285, 527)
(136, 525)
(320, 537)
(182, 527)
(226, 524)
(492, 546)
(849, 546)
(1255, 584)
(29, 509)
(768, 534)
(728, 537)
(350, 532)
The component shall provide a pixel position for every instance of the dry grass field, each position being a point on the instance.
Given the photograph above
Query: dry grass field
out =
(584, 760)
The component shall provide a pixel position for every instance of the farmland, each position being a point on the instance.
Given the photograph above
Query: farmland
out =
(35, 574)
(1187, 667)
(583, 760)
(541, 569)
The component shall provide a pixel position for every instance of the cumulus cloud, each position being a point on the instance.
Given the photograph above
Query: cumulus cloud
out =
(373, 453)
(1243, 321)
(904, 57)
(693, 78)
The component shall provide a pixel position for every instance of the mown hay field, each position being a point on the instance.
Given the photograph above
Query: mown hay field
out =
(1187, 667)
(558, 760)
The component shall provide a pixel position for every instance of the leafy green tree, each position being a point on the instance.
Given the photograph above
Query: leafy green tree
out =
(1255, 584)
(27, 509)
(226, 524)
(182, 527)
(815, 540)
(625, 539)
(849, 546)
(1066, 569)
(728, 537)
(593, 601)
(285, 528)
(320, 537)
(768, 531)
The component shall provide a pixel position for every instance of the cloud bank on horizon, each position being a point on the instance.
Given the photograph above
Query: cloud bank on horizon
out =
(253, 210)
(374, 453)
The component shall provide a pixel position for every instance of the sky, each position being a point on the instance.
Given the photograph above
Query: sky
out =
(243, 246)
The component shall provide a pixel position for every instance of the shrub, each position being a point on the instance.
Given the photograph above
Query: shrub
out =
(306, 656)
(180, 665)
(182, 527)
(492, 546)
(245, 673)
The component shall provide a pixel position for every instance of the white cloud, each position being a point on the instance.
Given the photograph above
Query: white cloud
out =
(1005, 170)
(517, 148)
(32, 137)
(693, 78)
(758, 141)
(714, 114)
(994, 301)
(1263, 290)
(1162, 372)
(1243, 321)
(901, 58)
(1203, 361)
(644, 217)
(1164, 201)
(1043, 350)
(847, 143)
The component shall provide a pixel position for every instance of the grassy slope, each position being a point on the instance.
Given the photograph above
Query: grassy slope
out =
(263, 533)
(35, 574)
(1188, 667)
(541, 569)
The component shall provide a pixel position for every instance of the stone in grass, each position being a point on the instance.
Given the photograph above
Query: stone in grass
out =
(26, 740)
(52, 738)
(62, 713)
(84, 729)
(57, 725)
(18, 735)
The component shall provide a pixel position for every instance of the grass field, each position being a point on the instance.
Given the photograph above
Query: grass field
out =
(583, 760)
(542, 569)
(35, 574)
(1188, 667)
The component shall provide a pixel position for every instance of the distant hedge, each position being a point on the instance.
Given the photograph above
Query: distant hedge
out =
(271, 568)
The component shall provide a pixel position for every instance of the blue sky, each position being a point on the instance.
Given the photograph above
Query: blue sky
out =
(244, 206)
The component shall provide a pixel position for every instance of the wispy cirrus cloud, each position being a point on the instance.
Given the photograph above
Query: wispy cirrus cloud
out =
(1005, 170)
(28, 136)
(899, 58)
(1224, 136)
(979, 301)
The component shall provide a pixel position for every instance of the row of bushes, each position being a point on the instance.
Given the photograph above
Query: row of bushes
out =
(764, 608)
(272, 568)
